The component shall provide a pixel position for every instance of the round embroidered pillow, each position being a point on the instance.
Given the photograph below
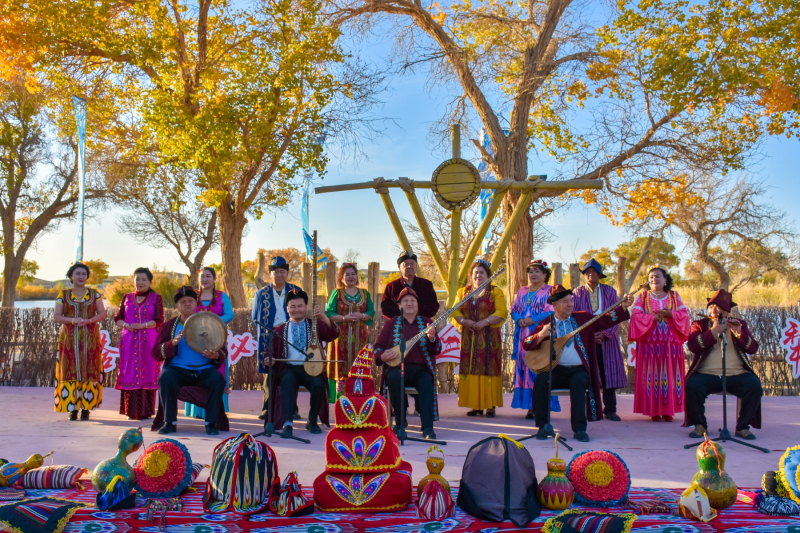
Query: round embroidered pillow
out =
(600, 478)
(164, 470)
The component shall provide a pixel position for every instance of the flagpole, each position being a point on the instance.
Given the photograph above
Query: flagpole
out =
(80, 121)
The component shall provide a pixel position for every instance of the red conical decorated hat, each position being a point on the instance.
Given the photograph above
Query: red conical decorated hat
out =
(359, 381)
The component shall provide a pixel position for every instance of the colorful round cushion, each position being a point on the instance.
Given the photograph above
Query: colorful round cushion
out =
(600, 478)
(790, 474)
(164, 470)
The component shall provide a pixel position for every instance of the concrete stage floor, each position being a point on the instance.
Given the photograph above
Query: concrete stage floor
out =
(653, 451)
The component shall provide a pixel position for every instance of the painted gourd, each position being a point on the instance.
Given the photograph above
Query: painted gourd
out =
(130, 441)
(11, 472)
(435, 466)
(555, 491)
(711, 475)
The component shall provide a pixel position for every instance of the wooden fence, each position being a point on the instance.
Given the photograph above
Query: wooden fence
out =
(28, 340)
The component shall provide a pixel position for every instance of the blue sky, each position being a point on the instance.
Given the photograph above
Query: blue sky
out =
(357, 219)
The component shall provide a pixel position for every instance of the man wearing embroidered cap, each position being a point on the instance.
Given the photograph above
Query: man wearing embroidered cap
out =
(593, 298)
(269, 310)
(185, 367)
(423, 288)
(705, 373)
(577, 369)
(420, 361)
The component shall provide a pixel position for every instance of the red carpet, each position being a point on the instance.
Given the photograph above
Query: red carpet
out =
(741, 518)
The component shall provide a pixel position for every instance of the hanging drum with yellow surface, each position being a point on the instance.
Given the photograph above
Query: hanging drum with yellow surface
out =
(456, 183)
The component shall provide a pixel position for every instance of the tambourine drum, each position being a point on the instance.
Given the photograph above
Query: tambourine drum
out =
(205, 331)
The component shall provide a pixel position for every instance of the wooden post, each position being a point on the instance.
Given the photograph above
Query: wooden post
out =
(330, 277)
(398, 226)
(456, 141)
(558, 274)
(261, 269)
(455, 245)
(482, 231)
(427, 235)
(621, 285)
(574, 276)
(374, 280)
(308, 271)
(522, 206)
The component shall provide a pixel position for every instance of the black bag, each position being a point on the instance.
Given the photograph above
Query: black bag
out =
(510, 495)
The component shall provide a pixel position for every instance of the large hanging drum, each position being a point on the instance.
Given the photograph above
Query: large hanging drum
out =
(205, 331)
(456, 183)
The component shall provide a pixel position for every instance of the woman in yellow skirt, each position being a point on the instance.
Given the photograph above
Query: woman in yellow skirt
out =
(79, 367)
(480, 382)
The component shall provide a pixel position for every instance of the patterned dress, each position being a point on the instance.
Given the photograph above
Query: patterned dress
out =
(138, 371)
(660, 362)
(352, 337)
(480, 370)
(79, 366)
(533, 305)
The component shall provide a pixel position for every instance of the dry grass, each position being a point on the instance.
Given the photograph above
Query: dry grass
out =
(780, 293)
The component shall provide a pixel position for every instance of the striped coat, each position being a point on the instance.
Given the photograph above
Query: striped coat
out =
(614, 363)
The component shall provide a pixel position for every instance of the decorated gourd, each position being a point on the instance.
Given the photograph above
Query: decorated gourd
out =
(711, 475)
(694, 505)
(555, 491)
(11, 472)
(130, 441)
(435, 466)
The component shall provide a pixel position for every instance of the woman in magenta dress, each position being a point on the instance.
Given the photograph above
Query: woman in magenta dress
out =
(140, 316)
(211, 299)
(659, 325)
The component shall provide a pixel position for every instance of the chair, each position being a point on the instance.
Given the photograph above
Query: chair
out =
(197, 396)
(410, 391)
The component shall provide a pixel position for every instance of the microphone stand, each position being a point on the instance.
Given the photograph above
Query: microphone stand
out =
(548, 428)
(724, 433)
(269, 427)
(401, 410)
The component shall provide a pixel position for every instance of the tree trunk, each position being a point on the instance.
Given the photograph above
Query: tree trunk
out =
(11, 271)
(520, 249)
(231, 226)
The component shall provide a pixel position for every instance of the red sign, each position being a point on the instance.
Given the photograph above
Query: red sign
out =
(451, 345)
(790, 341)
(632, 355)
(240, 346)
(110, 353)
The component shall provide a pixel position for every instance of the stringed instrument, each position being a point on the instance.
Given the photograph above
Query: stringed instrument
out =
(315, 362)
(414, 340)
(538, 360)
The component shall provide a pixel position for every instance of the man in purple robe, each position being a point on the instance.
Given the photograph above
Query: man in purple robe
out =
(593, 298)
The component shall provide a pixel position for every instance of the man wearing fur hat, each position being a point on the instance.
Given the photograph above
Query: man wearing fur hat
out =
(423, 288)
(705, 373)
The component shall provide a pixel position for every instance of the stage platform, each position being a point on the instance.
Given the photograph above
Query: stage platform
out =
(653, 450)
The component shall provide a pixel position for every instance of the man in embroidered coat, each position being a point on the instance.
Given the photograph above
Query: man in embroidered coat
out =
(577, 369)
(423, 288)
(419, 362)
(705, 373)
(269, 311)
(289, 376)
(593, 298)
(184, 366)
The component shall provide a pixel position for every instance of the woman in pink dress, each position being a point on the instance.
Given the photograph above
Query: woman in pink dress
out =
(140, 316)
(659, 325)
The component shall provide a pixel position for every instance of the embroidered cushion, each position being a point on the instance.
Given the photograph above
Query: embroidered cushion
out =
(352, 412)
(776, 505)
(367, 450)
(164, 469)
(196, 469)
(600, 478)
(286, 499)
(41, 515)
(364, 493)
(577, 521)
(52, 477)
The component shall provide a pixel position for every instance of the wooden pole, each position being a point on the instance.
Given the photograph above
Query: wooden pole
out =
(308, 271)
(398, 227)
(482, 231)
(562, 185)
(456, 141)
(574, 276)
(523, 204)
(374, 280)
(427, 235)
(621, 288)
(330, 277)
(558, 274)
(455, 249)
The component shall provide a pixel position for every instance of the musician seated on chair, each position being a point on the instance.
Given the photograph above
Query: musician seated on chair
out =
(705, 373)
(290, 375)
(185, 367)
(420, 361)
(577, 368)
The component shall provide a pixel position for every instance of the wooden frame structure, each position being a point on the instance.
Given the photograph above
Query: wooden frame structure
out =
(453, 275)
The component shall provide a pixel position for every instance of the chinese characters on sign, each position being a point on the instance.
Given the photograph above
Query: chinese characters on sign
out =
(632, 355)
(790, 340)
(110, 353)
